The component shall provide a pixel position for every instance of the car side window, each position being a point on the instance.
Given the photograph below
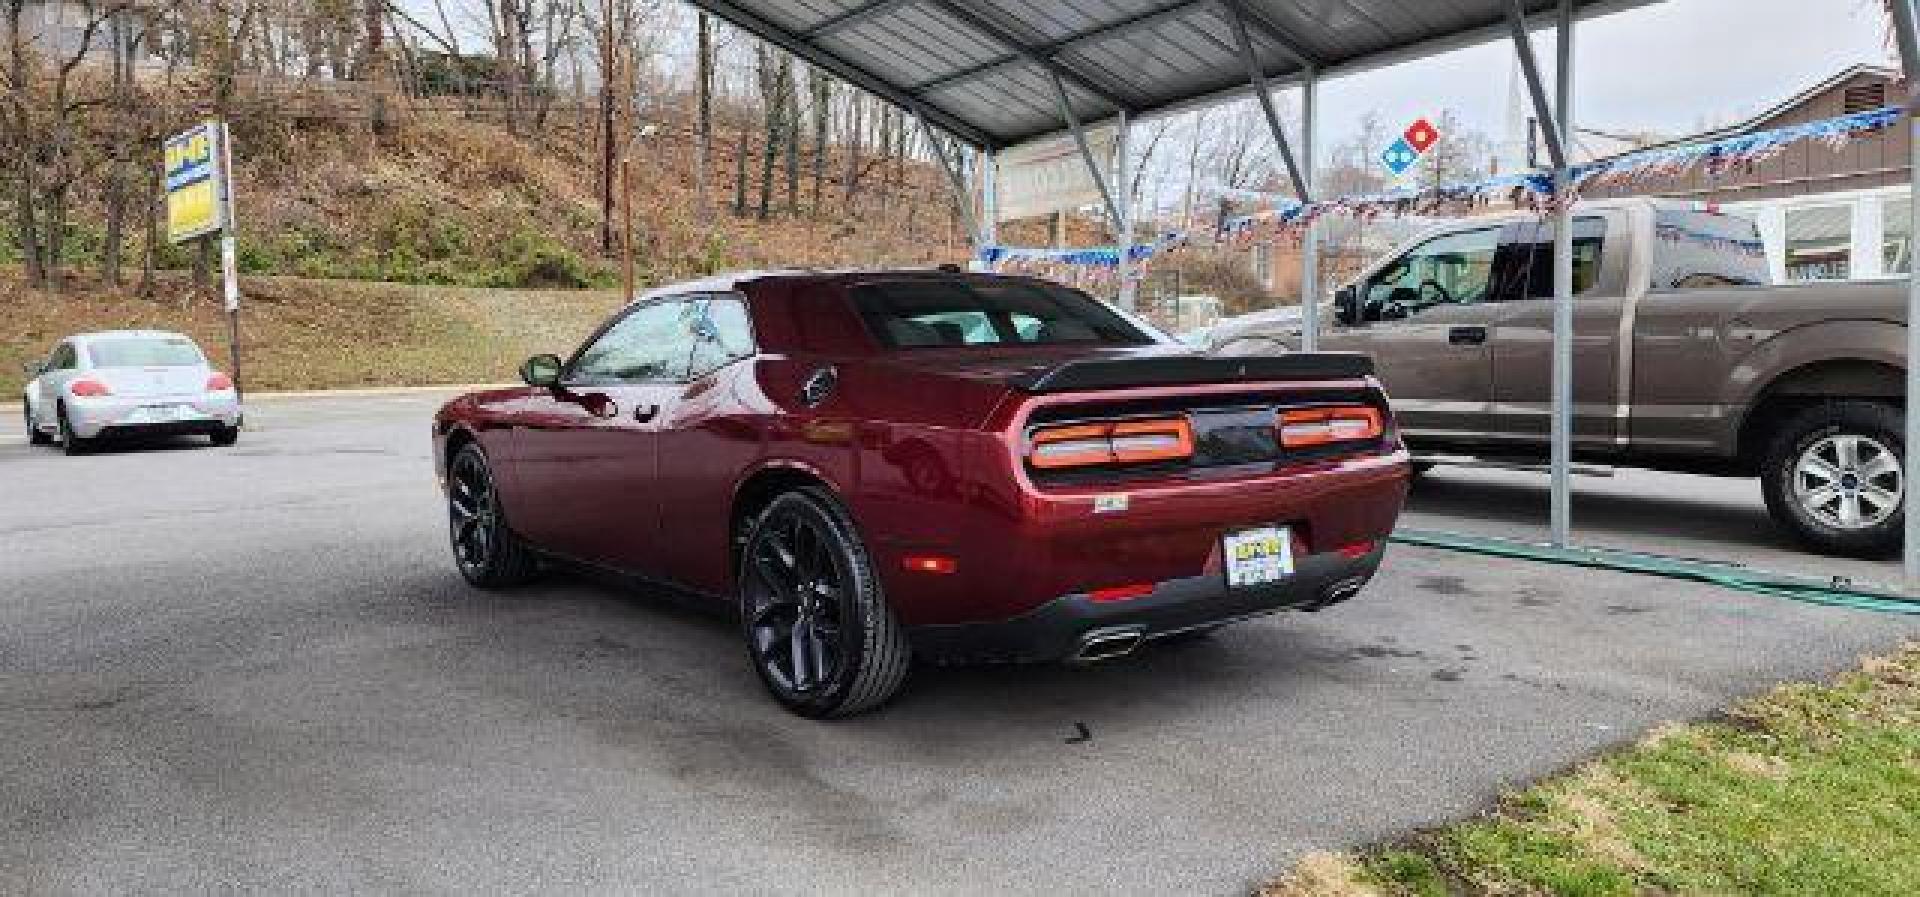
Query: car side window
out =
(722, 333)
(652, 343)
(1450, 269)
(65, 358)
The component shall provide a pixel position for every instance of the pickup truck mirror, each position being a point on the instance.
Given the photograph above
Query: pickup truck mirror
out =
(1346, 306)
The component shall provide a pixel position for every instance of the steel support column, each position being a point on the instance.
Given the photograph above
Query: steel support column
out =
(1909, 41)
(1123, 184)
(1310, 241)
(1556, 126)
(1560, 514)
(988, 171)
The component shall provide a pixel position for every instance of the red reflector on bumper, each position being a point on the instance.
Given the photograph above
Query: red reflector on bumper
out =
(1122, 593)
(930, 563)
(1357, 550)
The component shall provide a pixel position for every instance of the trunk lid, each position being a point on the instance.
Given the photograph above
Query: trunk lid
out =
(154, 382)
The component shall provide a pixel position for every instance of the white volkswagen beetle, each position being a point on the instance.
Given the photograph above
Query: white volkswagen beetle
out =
(94, 386)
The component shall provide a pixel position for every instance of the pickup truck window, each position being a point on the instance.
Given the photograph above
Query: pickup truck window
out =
(1526, 265)
(1454, 268)
(1703, 250)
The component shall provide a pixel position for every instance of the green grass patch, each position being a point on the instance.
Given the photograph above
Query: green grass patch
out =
(1808, 790)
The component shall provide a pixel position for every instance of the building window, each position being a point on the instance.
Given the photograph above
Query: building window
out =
(1896, 236)
(1819, 243)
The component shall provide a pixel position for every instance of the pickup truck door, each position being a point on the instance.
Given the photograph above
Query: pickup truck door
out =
(1426, 323)
(1523, 331)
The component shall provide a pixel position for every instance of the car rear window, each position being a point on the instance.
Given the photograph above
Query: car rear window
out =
(936, 313)
(144, 352)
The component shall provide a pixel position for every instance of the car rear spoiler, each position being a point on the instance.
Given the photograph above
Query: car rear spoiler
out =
(1187, 370)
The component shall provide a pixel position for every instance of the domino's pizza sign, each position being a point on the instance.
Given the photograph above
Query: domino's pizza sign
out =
(1414, 142)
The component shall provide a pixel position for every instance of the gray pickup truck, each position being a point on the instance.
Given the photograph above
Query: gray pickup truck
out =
(1686, 357)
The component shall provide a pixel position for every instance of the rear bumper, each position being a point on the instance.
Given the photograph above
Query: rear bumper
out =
(112, 416)
(1062, 628)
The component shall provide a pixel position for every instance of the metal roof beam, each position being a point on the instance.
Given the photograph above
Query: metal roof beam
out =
(1122, 28)
(847, 18)
(1272, 33)
(1094, 168)
(1258, 78)
(1530, 67)
(1053, 67)
(962, 197)
(812, 53)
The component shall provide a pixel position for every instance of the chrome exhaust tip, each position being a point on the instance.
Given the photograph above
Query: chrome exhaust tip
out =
(1107, 644)
(1341, 591)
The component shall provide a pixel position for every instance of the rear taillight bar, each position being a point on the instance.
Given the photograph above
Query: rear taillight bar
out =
(1111, 442)
(1309, 427)
(88, 389)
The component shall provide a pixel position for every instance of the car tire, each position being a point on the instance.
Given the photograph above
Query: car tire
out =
(817, 626)
(70, 442)
(225, 436)
(35, 435)
(485, 548)
(1834, 475)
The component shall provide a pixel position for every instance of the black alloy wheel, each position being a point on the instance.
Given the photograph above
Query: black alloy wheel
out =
(818, 630)
(487, 552)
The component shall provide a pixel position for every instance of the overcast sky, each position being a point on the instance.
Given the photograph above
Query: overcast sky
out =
(1669, 67)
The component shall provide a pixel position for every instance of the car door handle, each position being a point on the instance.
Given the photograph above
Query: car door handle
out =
(1467, 336)
(646, 413)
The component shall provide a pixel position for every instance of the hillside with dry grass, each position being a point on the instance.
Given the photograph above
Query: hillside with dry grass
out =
(299, 333)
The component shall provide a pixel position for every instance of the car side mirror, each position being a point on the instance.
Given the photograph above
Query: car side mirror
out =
(541, 370)
(1346, 306)
(34, 368)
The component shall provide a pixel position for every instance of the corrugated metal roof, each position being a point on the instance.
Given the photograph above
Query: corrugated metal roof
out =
(983, 69)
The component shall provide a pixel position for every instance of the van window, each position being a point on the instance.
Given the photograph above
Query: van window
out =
(1702, 250)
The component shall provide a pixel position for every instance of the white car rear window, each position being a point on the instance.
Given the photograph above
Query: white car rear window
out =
(144, 352)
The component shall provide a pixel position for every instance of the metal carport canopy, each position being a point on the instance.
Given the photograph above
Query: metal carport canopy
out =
(984, 70)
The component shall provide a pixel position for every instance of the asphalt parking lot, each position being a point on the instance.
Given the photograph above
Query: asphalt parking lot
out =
(256, 668)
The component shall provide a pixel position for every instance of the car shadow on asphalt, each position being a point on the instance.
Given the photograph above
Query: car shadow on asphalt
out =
(603, 629)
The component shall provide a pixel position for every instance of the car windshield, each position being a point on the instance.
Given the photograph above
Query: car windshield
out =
(931, 313)
(144, 352)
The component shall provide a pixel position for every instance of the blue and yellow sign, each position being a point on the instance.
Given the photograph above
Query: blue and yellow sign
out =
(196, 183)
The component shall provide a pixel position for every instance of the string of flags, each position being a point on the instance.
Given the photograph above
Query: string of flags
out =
(1535, 189)
(1288, 217)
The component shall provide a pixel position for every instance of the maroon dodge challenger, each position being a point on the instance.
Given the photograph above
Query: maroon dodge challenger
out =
(882, 466)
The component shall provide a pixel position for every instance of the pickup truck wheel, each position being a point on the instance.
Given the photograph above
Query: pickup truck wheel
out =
(818, 628)
(1835, 476)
